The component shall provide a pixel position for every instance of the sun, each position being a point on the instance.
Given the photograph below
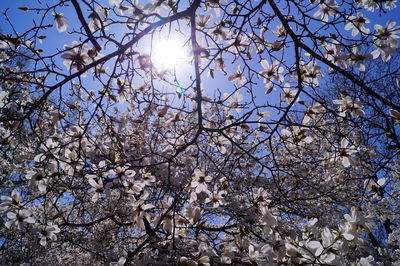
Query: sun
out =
(169, 54)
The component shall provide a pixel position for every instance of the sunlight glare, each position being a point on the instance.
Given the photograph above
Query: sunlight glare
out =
(168, 54)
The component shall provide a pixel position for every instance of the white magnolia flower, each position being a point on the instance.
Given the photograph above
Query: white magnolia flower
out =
(193, 214)
(370, 5)
(333, 53)
(114, 2)
(311, 73)
(354, 222)
(357, 24)
(297, 135)
(203, 20)
(8, 202)
(390, 4)
(220, 33)
(313, 112)
(18, 219)
(279, 32)
(37, 179)
(48, 232)
(60, 22)
(348, 104)
(139, 214)
(220, 142)
(76, 58)
(386, 40)
(238, 78)
(200, 181)
(328, 8)
(97, 188)
(271, 72)
(346, 152)
(234, 100)
(216, 199)
(220, 64)
(97, 19)
(395, 114)
(288, 95)
(356, 58)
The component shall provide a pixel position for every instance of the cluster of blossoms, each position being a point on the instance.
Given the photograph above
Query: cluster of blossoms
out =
(117, 169)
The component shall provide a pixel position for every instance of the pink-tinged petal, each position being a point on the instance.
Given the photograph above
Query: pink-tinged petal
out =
(42, 187)
(344, 143)
(5, 198)
(348, 26)
(346, 162)
(8, 224)
(15, 194)
(43, 241)
(390, 24)
(265, 64)
(147, 206)
(377, 27)
(11, 215)
(348, 237)
(317, 246)
(93, 183)
(30, 220)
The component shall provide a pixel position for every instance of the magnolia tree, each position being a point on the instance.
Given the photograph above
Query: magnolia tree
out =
(200, 133)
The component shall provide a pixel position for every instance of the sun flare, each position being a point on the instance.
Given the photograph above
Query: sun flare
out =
(169, 54)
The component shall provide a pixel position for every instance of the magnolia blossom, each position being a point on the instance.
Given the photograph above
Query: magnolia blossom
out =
(333, 53)
(203, 20)
(238, 78)
(97, 188)
(346, 152)
(115, 2)
(220, 33)
(358, 59)
(390, 4)
(220, 142)
(234, 100)
(200, 181)
(220, 64)
(48, 232)
(311, 73)
(280, 31)
(193, 213)
(386, 40)
(37, 179)
(354, 222)
(296, 135)
(271, 72)
(94, 21)
(140, 214)
(60, 22)
(288, 95)
(328, 8)
(370, 5)
(313, 112)
(357, 24)
(216, 199)
(348, 104)
(8, 202)
(76, 58)
(19, 218)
